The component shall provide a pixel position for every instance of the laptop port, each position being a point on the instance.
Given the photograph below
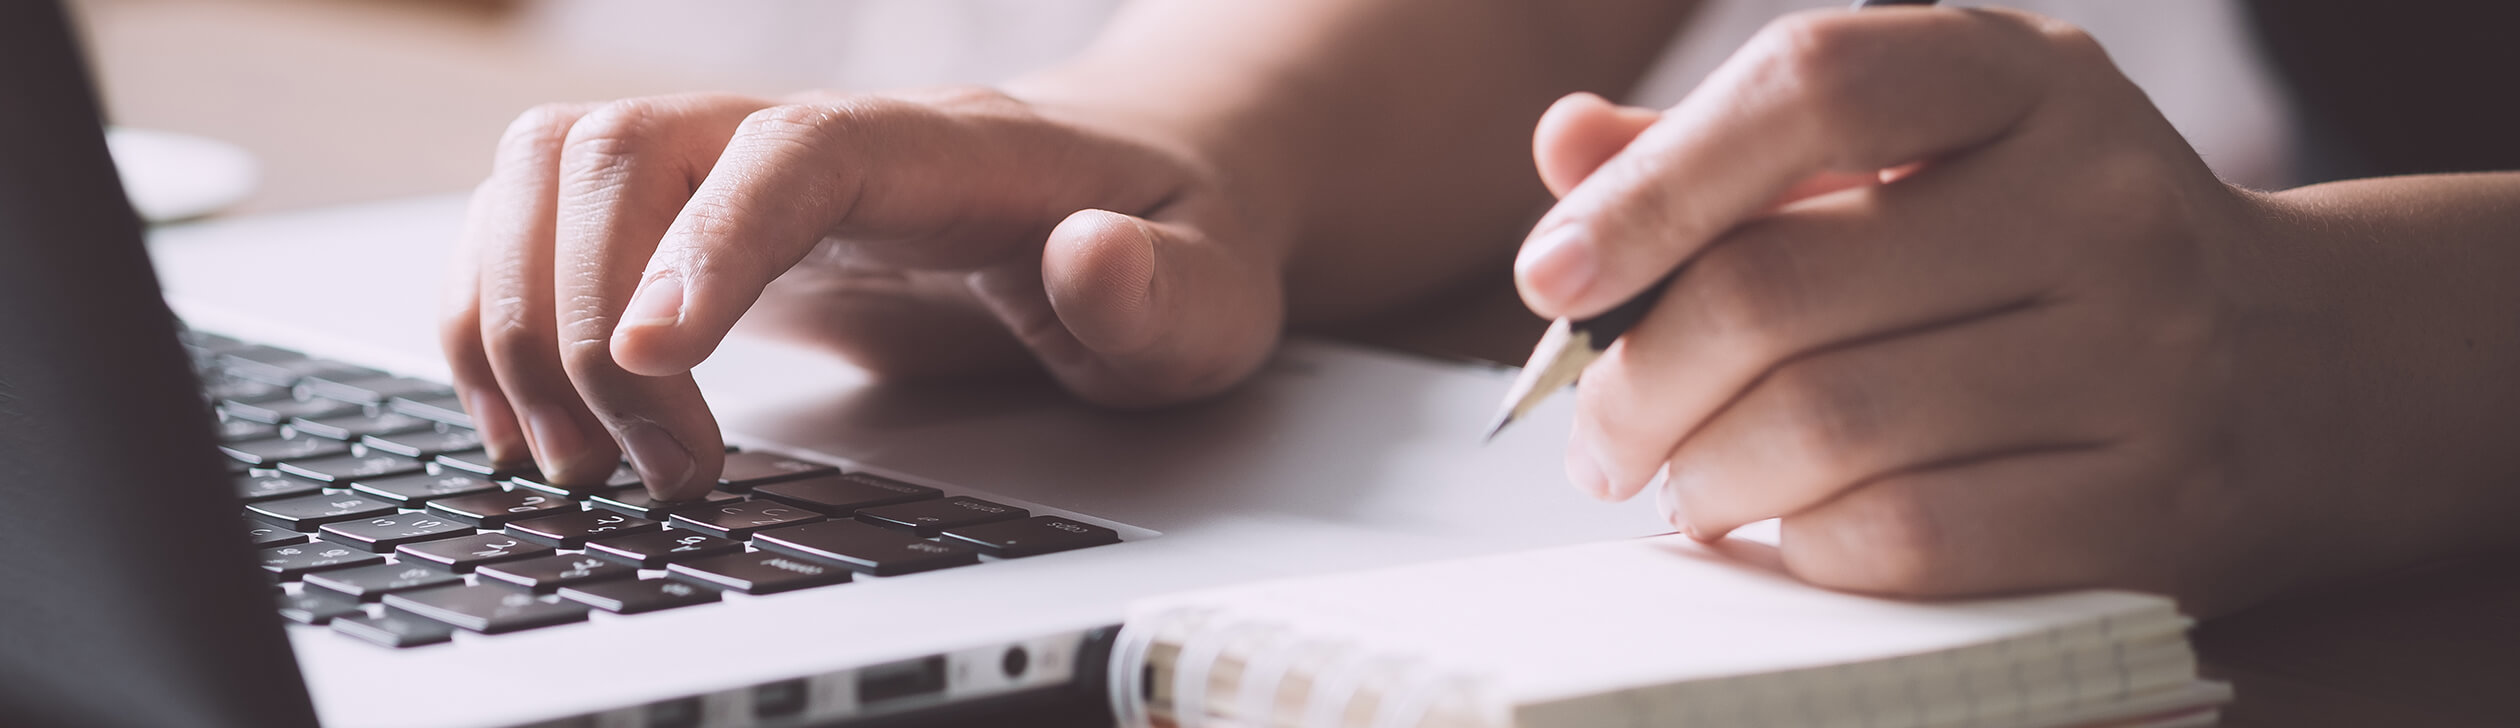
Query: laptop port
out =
(778, 699)
(909, 678)
(677, 713)
(1015, 662)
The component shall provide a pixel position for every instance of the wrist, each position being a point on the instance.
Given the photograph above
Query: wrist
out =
(2374, 372)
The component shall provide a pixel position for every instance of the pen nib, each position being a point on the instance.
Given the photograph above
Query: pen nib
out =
(1555, 363)
(1503, 419)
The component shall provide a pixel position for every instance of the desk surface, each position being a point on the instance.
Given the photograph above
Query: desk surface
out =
(408, 98)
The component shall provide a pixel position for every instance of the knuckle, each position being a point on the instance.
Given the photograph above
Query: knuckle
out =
(1818, 57)
(607, 138)
(540, 128)
(1747, 294)
(2068, 40)
(800, 124)
(725, 257)
(1607, 396)
(1880, 539)
(585, 356)
(832, 137)
(511, 330)
(459, 330)
(971, 97)
(1824, 415)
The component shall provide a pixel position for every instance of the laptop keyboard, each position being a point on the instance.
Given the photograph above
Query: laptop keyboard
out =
(378, 514)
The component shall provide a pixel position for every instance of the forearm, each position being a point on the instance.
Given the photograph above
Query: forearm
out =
(2390, 326)
(1374, 140)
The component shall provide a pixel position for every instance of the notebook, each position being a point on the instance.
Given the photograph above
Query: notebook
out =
(1660, 631)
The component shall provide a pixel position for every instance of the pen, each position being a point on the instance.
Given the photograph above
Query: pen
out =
(1571, 345)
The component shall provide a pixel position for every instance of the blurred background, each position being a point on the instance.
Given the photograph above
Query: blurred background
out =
(348, 100)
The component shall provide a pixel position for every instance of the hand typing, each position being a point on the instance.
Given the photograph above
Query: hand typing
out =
(938, 232)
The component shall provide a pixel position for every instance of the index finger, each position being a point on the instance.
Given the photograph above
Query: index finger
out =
(1814, 93)
(959, 184)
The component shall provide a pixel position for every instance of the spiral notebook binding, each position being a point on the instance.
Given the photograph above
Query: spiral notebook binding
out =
(1192, 670)
(1128, 671)
(1264, 674)
(1345, 670)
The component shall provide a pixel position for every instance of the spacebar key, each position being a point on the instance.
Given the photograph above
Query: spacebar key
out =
(487, 608)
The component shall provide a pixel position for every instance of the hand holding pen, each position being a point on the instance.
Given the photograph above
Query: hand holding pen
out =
(1938, 287)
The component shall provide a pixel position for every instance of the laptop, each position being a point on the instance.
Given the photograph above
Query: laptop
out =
(267, 512)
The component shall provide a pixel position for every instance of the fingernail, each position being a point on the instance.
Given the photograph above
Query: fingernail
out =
(1611, 488)
(660, 457)
(1678, 477)
(1559, 265)
(658, 302)
(557, 440)
(1669, 505)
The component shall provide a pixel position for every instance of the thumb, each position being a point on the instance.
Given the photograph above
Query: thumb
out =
(1579, 133)
(1158, 312)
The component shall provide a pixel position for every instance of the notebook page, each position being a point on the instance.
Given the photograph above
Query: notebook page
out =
(1556, 624)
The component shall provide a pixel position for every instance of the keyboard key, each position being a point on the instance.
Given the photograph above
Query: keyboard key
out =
(843, 495)
(489, 608)
(381, 534)
(269, 453)
(865, 548)
(362, 424)
(215, 343)
(545, 573)
(1032, 536)
(760, 572)
(637, 502)
(316, 606)
(255, 371)
(442, 409)
(425, 443)
(394, 630)
(281, 411)
(293, 560)
(263, 353)
(241, 390)
(291, 372)
(622, 477)
(464, 553)
(266, 486)
(573, 529)
(633, 597)
(257, 355)
(410, 491)
(265, 535)
(305, 513)
(371, 390)
(747, 469)
(370, 583)
(243, 430)
(655, 549)
(284, 366)
(341, 469)
(738, 521)
(478, 461)
(497, 508)
(929, 517)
